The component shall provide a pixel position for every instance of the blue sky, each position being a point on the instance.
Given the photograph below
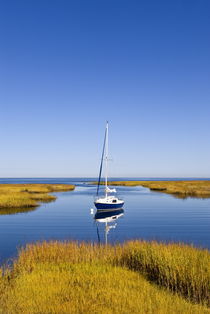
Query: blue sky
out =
(68, 66)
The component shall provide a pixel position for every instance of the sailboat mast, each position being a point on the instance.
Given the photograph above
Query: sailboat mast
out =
(106, 159)
(102, 160)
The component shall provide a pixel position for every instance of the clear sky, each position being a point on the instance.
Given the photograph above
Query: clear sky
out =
(68, 66)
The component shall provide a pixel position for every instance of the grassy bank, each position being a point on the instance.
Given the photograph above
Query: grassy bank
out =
(182, 189)
(28, 195)
(137, 277)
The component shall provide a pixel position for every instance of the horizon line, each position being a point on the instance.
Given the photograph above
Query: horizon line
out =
(86, 177)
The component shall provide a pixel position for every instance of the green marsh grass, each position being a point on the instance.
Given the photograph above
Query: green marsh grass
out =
(136, 277)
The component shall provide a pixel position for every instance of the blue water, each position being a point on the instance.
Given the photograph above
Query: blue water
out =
(147, 215)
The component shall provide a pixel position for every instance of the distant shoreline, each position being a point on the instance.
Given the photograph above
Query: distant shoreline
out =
(111, 178)
(179, 188)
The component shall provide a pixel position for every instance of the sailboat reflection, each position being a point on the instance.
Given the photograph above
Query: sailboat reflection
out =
(109, 218)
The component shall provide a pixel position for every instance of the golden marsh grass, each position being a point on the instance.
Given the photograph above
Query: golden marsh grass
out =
(29, 195)
(136, 277)
(182, 189)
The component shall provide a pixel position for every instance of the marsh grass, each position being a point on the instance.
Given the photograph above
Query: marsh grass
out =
(180, 189)
(87, 288)
(177, 267)
(137, 277)
(28, 195)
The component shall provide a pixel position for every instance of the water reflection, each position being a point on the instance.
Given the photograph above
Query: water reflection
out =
(16, 210)
(109, 219)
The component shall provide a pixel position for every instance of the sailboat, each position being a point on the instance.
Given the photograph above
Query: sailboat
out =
(107, 201)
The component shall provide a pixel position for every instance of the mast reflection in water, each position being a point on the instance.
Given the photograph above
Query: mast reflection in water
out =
(109, 218)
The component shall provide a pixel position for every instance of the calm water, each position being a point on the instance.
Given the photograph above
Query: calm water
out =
(147, 215)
